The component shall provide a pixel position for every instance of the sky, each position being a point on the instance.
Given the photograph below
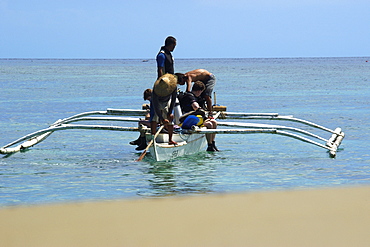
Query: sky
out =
(122, 29)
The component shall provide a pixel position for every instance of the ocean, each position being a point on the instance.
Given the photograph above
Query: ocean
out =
(84, 165)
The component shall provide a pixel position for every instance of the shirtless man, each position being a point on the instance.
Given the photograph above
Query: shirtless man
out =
(209, 81)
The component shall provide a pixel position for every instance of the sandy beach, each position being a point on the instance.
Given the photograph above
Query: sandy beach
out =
(325, 217)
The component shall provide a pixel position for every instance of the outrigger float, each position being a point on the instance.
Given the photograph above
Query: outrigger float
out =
(189, 141)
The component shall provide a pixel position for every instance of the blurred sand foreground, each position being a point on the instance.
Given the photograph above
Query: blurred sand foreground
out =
(327, 217)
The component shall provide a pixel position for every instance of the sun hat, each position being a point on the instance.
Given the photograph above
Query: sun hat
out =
(165, 85)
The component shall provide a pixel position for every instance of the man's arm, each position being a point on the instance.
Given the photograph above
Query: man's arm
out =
(188, 86)
(188, 82)
(195, 106)
(160, 71)
(209, 104)
(161, 58)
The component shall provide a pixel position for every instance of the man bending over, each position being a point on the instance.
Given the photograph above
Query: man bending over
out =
(209, 81)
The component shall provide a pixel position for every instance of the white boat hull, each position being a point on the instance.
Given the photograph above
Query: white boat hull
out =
(187, 144)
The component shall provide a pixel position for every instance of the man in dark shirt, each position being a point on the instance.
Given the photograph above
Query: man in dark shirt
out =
(190, 102)
(209, 81)
(164, 57)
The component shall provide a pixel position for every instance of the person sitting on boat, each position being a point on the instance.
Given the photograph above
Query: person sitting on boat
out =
(190, 103)
(209, 81)
(141, 140)
(147, 95)
(163, 101)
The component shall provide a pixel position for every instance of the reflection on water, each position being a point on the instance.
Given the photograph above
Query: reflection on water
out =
(186, 175)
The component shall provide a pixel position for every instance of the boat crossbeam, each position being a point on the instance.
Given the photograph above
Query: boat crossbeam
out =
(264, 126)
(126, 115)
(38, 136)
(64, 124)
(332, 149)
(273, 116)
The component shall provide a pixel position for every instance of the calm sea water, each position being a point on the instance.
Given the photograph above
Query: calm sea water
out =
(92, 165)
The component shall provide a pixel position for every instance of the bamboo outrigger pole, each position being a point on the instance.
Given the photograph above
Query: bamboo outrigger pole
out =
(150, 144)
(330, 144)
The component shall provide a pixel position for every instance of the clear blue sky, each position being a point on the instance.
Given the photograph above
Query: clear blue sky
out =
(203, 28)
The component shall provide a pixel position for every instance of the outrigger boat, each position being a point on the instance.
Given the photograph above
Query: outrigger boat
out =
(189, 141)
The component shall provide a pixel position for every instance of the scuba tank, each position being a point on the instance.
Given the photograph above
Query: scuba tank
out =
(177, 112)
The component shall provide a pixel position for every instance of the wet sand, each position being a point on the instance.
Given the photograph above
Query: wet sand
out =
(325, 217)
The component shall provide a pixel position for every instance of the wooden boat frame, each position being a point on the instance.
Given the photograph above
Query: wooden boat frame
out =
(121, 115)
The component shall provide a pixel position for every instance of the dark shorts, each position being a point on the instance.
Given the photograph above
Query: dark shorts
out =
(162, 105)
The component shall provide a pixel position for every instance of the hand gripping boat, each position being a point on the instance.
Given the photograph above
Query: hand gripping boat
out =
(188, 141)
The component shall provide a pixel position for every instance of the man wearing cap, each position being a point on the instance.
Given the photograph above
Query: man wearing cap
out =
(162, 103)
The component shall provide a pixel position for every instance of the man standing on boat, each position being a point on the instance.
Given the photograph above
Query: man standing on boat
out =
(190, 102)
(165, 60)
(162, 103)
(164, 57)
(209, 81)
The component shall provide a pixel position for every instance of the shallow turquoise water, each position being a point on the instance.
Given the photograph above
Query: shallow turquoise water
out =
(92, 165)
